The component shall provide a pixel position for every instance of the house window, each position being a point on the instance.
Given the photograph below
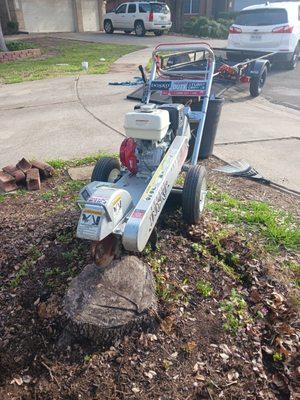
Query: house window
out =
(191, 7)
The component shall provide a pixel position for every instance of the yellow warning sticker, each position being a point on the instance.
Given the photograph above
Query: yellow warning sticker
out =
(92, 212)
(116, 200)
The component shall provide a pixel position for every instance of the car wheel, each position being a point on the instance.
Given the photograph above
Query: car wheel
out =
(139, 28)
(158, 33)
(127, 32)
(108, 26)
(258, 82)
(293, 63)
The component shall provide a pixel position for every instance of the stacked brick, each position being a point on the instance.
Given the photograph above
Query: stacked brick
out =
(24, 173)
(16, 55)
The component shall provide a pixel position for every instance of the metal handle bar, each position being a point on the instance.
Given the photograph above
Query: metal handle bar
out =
(194, 46)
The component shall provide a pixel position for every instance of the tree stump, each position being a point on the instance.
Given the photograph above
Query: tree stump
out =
(104, 304)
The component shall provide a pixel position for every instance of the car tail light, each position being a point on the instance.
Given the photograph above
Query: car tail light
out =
(234, 29)
(151, 16)
(283, 29)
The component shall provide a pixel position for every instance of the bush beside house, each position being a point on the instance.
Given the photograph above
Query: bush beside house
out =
(206, 27)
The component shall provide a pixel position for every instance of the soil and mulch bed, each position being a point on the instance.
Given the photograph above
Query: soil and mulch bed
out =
(227, 324)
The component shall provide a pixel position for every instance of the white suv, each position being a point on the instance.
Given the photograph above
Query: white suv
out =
(270, 27)
(139, 17)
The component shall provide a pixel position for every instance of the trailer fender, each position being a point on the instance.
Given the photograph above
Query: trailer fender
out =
(257, 67)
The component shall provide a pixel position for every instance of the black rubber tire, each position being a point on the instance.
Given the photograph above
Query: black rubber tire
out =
(108, 26)
(257, 82)
(158, 33)
(103, 169)
(139, 25)
(291, 65)
(194, 183)
(127, 32)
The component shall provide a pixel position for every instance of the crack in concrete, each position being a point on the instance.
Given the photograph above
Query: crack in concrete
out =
(257, 141)
(38, 105)
(91, 113)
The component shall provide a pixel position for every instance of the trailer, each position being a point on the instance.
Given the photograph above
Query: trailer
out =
(233, 68)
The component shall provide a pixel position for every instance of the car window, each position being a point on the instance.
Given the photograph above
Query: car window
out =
(144, 7)
(131, 8)
(121, 9)
(262, 17)
(159, 8)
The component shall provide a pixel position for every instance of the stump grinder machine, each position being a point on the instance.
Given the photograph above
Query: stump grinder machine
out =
(123, 201)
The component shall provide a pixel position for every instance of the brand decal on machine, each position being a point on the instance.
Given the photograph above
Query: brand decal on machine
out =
(138, 214)
(180, 87)
(158, 203)
(117, 206)
(90, 219)
(98, 199)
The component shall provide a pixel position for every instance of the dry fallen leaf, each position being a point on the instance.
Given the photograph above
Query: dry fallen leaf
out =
(135, 390)
(18, 381)
(167, 364)
(167, 325)
(225, 348)
(26, 379)
(224, 356)
(150, 374)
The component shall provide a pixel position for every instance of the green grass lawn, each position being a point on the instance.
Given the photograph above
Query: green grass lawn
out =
(62, 58)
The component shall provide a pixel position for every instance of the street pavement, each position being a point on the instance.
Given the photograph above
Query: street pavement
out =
(70, 118)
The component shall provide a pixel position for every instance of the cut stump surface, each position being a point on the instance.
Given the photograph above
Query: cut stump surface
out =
(102, 302)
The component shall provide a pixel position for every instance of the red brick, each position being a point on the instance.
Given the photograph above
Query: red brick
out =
(24, 165)
(19, 176)
(15, 172)
(45, 169)
(33, 179)
(10, 169)
(7, 182)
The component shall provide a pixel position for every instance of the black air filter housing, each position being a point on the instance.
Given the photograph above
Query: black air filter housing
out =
(176, 113)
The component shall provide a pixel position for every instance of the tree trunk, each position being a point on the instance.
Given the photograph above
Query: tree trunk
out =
(101, 305)
(179, 15)
(2, 41)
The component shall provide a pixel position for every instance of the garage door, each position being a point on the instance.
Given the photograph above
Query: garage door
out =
(90, 15)
(48, 15)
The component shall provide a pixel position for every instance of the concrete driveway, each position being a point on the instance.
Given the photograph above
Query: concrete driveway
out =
(67, 118)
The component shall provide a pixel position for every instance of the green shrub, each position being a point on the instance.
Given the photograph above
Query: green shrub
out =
(12, 27)
(225, 22)
(14, 46)
(228, 15)
(205, 27)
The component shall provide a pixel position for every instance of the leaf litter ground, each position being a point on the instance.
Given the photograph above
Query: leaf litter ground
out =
(228, 320)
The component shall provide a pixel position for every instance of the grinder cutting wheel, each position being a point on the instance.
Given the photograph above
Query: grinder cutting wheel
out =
(121, 205)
